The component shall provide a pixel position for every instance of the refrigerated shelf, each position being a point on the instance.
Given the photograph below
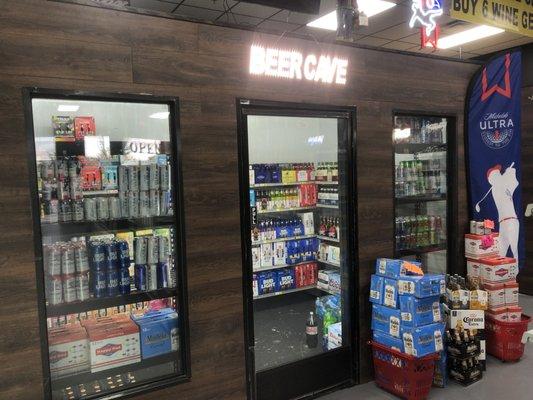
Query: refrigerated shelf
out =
(336, 265)
(282, 292)
(327, 206)
(419, 199)
(282, 239)
(263, 185)
(327, 182)
(420, 250)
(286, 210)
(328, 239)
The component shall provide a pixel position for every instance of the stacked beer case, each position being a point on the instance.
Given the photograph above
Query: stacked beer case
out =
(406, 312)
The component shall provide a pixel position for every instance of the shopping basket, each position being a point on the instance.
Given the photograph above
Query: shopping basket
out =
(504, 339)
(403, 375)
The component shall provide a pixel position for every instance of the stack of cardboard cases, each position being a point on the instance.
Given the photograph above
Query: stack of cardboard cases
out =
(406, 312)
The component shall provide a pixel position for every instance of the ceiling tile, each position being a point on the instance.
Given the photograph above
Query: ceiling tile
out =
(396, 32)
(254, 10)
(506, 45)
(196, 12)
(245, 20)
(277, 26)
(220, 5)
(372, 41)
(294, 17)
(397, 45)
(153, 5)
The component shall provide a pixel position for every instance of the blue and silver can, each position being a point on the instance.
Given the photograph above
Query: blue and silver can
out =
(111, 256)
(140, 277)
(162, 275)
(123, 252)
(124, 285)
(112, 282)
(98, 256)
(99, 283)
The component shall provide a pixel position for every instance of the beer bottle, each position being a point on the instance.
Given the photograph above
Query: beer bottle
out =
(311, 331)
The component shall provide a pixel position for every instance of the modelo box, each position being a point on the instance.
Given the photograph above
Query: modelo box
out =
(418, 312)
(376, 289)
(68, 350)
(481, 246)
(422, 286)
(393, 268)
(386, 320)
(390, 292)
(498, 269)
(158, 332)
(424, 340)
(466, 319)
(388, 340)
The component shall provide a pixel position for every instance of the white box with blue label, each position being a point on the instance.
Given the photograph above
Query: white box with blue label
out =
(391, 268)
(388, 340)
(418, 312)
(422, 286)
(386, 320)
(158, 332)
(335, 336)
(424, 340)
(376, 289)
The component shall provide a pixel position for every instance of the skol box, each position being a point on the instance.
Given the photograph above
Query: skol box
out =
(418, 312)
(511, 293)
(422, 286)
(481, 246)
(376, 289)
(68, 350)
(498, 269)
(467, 319)
(158, 332)
(390, 292)
(392, 268)
(424, 340)
(388, 340)
(114, 346)
(386, 320)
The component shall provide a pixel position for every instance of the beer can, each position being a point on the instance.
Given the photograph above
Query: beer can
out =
(73, 167)
(52, 260)
(164, 177)
(172, 279)
(111, 256)
(123, 203)
(81, 259)
(162, 275)
(98, 256)
(140, 277)
(82, 286)
(140, 250)
(112, 282)
(114, 207)
(133, 204)
(89, 207)
(63, 191)
(165, 204)
(47, 191)
(122, 178)
(65, 211)
(154, 176)
(54, 289)
(123, 252)
(102, 209)
(154, 203)
(473, 227)
(69, 288)
(75, 188)
(144, 204)
(99, 283)
(144, 177)
(152, 250)
(124, 281)
(77, 210)
(133, 177)
(164, 248)
(480, 228)
(151, 277)
(68, 264)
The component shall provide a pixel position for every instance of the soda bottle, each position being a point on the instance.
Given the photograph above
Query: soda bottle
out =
(311, 331)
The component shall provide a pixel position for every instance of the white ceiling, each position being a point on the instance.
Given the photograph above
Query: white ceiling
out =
(388, 30)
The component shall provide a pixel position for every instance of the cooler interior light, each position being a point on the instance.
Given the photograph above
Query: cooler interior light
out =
(68, 108)
(160, 115)
(369, 7)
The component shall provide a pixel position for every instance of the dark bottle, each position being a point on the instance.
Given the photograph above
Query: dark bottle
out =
(311, 331)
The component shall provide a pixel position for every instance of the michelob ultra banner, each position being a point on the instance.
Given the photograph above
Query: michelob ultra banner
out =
(493, 150)
(512, 15)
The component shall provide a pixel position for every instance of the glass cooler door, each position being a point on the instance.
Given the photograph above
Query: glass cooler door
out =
(108, 226)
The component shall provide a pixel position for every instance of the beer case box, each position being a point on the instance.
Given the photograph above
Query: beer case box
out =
(280, 253)
(255, 286)
(334, 254)
(466, 319)
(423, 340)
(391, 268)
(334, 335)
(84, 126)
(68, 351)
(390, 292)
(334, 283)
(498, 269)
(285, 279)
(498, 314)
(496, 294)
(256, 257)
(158, 332)
(514, 313)
(266, 282)
(63, 127)
(392, 342)
(266, 255)
(324, 277)
(376, 289)
(418, 312)
(473, 268)
(440, 379)
(128, 237)
(308, 223)
(511, 293)
(476, 246)
(386, 320)
(422, 286)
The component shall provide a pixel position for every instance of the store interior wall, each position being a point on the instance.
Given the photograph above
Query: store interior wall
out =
(75, 47)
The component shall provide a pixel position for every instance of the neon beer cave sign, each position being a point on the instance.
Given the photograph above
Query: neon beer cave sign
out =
(292, 64)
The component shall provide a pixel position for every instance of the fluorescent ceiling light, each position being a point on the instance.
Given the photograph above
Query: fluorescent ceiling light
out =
(470, 35)
(401, 133)
(68, 107)
(160, 115)
(369, 7)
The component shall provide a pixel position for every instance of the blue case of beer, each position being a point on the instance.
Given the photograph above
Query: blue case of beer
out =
(158, 332)
(422, 286)
(423, 340)
(391, 268)
(285, 279)
(376, 289)
(293, 252)
(390, 292)
(417, 312)
(388, 340)
(266, 282)
(386, 320)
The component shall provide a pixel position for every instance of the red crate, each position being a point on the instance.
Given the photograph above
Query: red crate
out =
(403, 375)
(504, 339)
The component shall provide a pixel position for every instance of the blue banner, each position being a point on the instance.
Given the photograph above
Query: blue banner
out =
(494, 150)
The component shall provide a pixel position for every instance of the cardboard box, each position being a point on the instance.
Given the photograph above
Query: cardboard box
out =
(266, 255)
(390, 292)
(418, 312)
(498, 314)
(334, 283)
(392, 268)
(308, 223)
(496, 294)
(479, 300)
(158, 332)
(511, 293)
(466, 319)
(424, 340)
(514, 313)
(285, 279)
(335, 335)
(280, 253)
(68, 351)
(473, 268)
(498, 269)
(388, 340)
(475, 248)
(386, 320)
(323, 278)
(266, 282)
(422, 286)
(376, 289)
(440, 379)
(256, 257)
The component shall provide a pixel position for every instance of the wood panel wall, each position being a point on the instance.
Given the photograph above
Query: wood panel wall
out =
(65, 46)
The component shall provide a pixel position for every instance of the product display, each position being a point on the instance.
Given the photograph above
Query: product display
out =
(110, 248)
(418, 231)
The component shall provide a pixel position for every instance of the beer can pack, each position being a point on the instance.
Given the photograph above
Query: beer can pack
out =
(144, 177)
(152, 249)
(133, 204)
(144, 204)
(154, 203)
(102, 208)
(65, 211)
(133, 177)
(165, 204)
(162, 275)
(89, 207)
(99, 283)
(151, 277)
(54, 290)
(111, 255)
(140, 277)
(77, 210)
(112, 282)
(124, 285)
(154, 177)
(68, 264)
(123, 252)
(140, 250)
(123, 178)
(98, 256)
(52, 260)
(124, 207)
(69, 288)
(82, 286)
(164, 177)
(75, 188)
(114, 208)
(164, 248)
